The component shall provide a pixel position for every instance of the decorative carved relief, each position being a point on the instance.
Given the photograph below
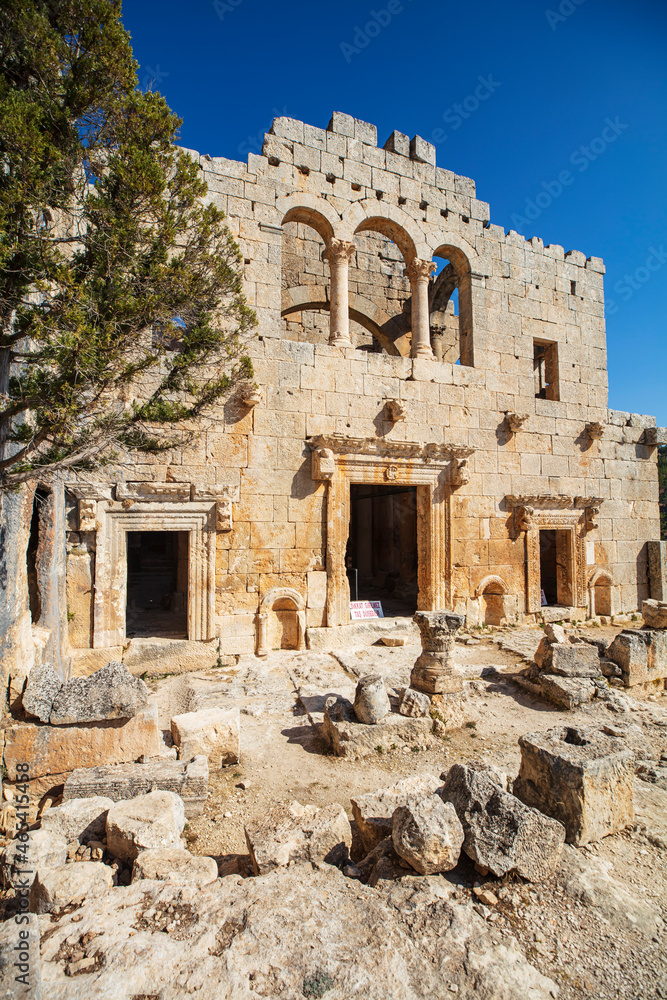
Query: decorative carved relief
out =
(391, 472)
(87, 515)
(340, 445)
(250, 396)
(460, 474)
(420, 270)
(591, 516)
(515, 421)
(323, 464)
(595, 430)
(338, 251)
(524, 518)
(396, 410)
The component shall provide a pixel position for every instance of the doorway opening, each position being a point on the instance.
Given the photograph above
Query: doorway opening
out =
(556, 567)
(381, 557)
(35, 544)
(157, 584)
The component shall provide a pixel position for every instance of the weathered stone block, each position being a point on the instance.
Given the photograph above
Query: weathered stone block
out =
(213, 732)
(629, 651)
(371, 702)
(69, 885)
(657, 570)
(109, 693)
(291, 832)
(373, 811)
(580, 660)
(654, 614)
(22, 859)
(501, 833)
(175, 865)
(567, 692)
(188, 779)
(41, 690)
(579, 777)
(82, 818)
(56, 750)
(426, 833)
(149, 821)
(414, 704)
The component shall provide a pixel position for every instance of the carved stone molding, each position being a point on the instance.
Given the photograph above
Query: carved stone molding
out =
(250, 396)
(544, 501)
(338, 444)
(222, 496)
(460, 474)
(323, 464)
(87, 515)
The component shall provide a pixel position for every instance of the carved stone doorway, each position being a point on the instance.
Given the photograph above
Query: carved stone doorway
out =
(556, 558)
(157, 584)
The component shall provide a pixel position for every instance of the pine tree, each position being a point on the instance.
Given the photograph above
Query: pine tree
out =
(122, 318)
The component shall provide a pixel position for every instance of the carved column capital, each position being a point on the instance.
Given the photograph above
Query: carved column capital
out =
(338, 251)
(420, 270)
(433, 671)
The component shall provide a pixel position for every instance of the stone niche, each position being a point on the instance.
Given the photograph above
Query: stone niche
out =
(108, 515)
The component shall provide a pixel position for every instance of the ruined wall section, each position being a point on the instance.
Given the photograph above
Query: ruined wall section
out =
(519, 291)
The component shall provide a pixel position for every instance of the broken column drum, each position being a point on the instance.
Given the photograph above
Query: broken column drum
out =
(433, 671)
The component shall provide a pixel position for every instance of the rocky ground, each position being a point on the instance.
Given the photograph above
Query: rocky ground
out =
(596, 928)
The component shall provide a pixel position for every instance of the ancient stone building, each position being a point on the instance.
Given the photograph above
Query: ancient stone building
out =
(429, 428)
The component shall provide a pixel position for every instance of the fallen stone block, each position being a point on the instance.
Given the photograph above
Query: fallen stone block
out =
(373, 811)
(82, 819)
(567, 692)
(155, 820)
(580, 777)
(214, 732)
(118, 782)
(426, 833)
(371, 702)
(572, 660)
(55, 750)
(22, 859)
(26, 935)
(414, 704)
(42, 687)
(291, 833)
(175, 865)
(501, 832)
(109, 693)
(345, 737)
(654, 614)
(629, 651)
(69, 885)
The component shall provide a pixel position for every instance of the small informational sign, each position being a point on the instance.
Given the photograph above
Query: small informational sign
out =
(366, 609)
(543, 599)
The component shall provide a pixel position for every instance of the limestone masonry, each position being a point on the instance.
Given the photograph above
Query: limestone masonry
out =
(429, 425)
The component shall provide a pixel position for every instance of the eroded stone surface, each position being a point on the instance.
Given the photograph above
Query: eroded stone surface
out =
(415, 704)
(42, 688)
(580, 777)
(501, 833)
(175, 865)
(373, 811)
(654, 613)
(155, 820)
(68, 885)
(109, 693)
(426, 833)
(213, 732)
(291, 832)
(40, 852)
(80, 819)
(371, 703)
(187, 778)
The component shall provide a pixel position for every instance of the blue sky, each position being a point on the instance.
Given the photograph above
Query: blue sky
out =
(576, 86)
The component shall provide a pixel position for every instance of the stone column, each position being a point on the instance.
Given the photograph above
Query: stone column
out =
(433, 671)
(338, 255)
(419, 272)
(262, 633)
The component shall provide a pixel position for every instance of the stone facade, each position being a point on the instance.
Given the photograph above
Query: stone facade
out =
(482, 389)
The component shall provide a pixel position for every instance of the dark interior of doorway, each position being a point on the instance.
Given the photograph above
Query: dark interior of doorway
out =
(548, 566)
(157, 584)
(381, 557)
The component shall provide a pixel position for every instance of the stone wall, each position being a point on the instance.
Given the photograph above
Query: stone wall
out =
(487, 482)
